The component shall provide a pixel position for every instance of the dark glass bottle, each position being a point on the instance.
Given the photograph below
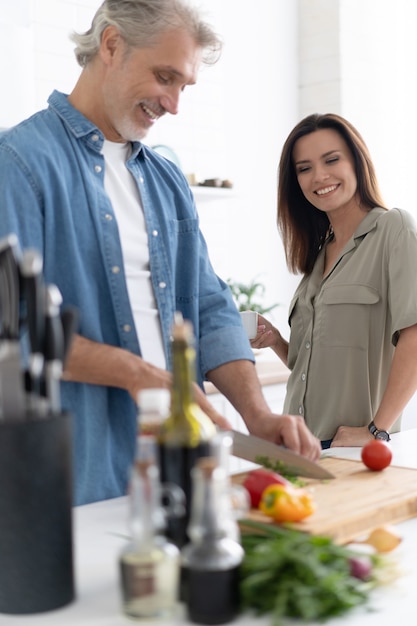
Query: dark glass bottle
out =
(210, 562)
(186, 434)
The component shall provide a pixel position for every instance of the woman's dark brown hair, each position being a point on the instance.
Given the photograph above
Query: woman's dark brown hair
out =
(303, 227)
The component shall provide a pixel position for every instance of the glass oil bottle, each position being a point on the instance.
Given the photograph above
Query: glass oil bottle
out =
(186, 434)
(149, 565)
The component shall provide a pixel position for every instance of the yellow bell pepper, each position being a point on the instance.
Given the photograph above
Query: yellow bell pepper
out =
(286, 503)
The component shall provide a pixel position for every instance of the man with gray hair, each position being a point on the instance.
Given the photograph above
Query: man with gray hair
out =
(118, 230)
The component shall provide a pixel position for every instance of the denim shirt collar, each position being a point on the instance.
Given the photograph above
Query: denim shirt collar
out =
(79, 125)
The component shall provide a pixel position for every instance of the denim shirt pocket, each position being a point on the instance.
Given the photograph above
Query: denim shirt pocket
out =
(184, 246)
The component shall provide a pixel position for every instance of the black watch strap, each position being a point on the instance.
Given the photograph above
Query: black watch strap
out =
(382, 435)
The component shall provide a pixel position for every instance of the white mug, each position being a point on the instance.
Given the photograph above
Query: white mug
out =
(250, 323)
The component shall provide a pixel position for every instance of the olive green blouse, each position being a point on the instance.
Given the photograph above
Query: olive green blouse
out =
(344, 327)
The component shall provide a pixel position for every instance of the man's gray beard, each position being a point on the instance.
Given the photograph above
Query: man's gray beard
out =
(129, 131)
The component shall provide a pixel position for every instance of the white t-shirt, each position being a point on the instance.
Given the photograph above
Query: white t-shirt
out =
(125, 198)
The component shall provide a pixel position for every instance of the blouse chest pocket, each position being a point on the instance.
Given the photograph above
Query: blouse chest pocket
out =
(347, 312)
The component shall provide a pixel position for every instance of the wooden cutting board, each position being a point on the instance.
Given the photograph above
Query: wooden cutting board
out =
(356, 501)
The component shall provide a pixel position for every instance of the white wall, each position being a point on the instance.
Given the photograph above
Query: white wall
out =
(358, 59)
(379, 92)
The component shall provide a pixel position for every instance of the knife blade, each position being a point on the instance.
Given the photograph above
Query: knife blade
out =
(12, 394)
(9, 255)
(250, 448)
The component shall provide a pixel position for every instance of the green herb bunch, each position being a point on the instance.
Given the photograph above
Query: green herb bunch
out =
(289, 573)
(280, 468)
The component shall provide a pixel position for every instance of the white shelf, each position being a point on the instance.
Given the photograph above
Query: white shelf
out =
(209, 194)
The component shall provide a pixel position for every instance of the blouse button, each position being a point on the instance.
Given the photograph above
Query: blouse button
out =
(300, 409)
(308, 345)
(303, 377)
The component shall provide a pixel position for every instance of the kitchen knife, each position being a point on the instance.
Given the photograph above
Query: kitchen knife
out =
(251, 448)
(31, 265)
(9, 253)
(69, 319)
(33, 288)
(12, 394)
(54, 347)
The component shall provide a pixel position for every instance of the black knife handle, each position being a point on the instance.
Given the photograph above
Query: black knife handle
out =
(70, 321)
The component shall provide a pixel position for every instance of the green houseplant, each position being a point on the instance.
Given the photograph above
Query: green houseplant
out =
(248, 296)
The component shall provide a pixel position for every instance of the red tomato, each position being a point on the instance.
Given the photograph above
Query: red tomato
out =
(376, 455)
(258, 480)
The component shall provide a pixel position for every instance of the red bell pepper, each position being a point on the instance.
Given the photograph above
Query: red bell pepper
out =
(258, 480)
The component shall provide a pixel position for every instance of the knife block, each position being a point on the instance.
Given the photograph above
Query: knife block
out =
(36, 552)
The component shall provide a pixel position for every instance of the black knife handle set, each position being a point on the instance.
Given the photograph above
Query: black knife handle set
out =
(30, 309)
(36, 496)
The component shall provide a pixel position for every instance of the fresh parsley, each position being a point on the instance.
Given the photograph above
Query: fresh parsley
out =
(289, 573)
(280, 468)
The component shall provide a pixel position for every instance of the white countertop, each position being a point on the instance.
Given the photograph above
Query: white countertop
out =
(97, 538)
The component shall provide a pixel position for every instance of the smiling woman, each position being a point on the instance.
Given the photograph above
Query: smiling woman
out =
(353, 316)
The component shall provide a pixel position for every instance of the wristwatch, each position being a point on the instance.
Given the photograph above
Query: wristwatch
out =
(383, 435)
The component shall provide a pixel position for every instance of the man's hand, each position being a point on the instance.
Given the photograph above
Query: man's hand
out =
(289, 431)
(239, 382)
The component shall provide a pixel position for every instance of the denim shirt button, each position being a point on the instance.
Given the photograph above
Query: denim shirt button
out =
(98, 169)
(141, 179)
(127, 328)
(155, 233)
(95, 137)
(108, 217)
(115, 269)
(162, 285)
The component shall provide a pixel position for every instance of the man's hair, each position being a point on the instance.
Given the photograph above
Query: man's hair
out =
(141, 22)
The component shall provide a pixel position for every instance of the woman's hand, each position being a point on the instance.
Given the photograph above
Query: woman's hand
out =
(351, 436)
(269, 337)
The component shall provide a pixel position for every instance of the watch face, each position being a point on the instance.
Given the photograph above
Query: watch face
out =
(384, 436)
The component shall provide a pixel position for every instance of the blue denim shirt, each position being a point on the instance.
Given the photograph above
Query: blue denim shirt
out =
(52, 196)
